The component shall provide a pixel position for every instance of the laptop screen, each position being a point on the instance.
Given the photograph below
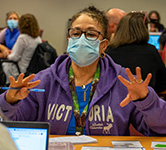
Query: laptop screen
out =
(29, 135)
(154, 39)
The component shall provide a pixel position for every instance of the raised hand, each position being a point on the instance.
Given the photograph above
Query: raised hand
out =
(137, 89)
(12, 96)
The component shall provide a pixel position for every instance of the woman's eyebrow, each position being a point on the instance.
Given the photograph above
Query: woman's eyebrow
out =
(89, 28)
(12, 17)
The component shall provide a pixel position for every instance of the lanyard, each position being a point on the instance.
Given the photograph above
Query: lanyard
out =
(81, 120)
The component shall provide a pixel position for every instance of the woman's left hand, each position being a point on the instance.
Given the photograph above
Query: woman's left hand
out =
(137, 89)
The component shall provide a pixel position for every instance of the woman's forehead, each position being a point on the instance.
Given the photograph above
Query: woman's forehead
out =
(13, 16)
(85, 21)
(153, 15)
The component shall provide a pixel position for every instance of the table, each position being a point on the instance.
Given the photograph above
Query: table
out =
(106, 140)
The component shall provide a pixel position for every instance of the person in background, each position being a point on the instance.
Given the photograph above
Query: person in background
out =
(9, 35)
(155, 25)
(24, 47)
(85, 91)
(6, 142)
(114, 15)
(162, 39)
(130, 48)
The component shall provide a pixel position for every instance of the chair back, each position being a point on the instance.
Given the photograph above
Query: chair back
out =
(43, 57)
(2, 73)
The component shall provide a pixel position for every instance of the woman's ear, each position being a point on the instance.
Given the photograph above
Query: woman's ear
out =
(104, 45)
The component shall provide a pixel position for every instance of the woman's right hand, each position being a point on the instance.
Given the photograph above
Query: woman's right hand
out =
(6, 53)
(12, 96)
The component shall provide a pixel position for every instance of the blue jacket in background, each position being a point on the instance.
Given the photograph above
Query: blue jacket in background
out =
(11, 37)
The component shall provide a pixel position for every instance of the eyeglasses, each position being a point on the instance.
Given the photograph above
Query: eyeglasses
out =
(90, 35)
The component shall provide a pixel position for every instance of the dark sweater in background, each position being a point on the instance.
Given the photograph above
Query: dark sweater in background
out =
(145, 56)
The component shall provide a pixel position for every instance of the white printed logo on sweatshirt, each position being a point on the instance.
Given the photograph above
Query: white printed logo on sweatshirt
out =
(58, 111)
(97, 114)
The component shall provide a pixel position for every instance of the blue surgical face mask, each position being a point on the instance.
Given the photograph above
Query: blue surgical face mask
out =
(82, 51)
(12, 24)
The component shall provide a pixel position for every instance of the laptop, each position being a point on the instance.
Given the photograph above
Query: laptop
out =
(154, 39)
(29, 135)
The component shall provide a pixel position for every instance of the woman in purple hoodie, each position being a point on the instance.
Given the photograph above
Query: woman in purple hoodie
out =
(85, 91)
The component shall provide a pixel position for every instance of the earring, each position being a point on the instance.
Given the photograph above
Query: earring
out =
(102, 55)
(66, 53)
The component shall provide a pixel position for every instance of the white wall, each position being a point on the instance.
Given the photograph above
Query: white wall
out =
(54, 14)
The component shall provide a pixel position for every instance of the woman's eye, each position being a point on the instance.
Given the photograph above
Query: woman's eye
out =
(13, 18)
(91, 35)
(75, 34)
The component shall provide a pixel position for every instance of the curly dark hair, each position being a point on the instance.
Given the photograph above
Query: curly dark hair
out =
(28, 24)
(94, 13)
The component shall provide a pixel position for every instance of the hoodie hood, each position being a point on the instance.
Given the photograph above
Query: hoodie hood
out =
(108, 76)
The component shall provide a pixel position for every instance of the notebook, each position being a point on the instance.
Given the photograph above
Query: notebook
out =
(29, 135)
(154, 39)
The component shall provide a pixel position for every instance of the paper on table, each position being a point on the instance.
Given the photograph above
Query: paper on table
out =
(158, 145)
(60, 146)
(124, 144)
(95, 148)
(108, 148)
(74, 139)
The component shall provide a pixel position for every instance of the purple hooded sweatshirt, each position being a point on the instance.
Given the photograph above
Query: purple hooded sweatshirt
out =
(105, 116)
